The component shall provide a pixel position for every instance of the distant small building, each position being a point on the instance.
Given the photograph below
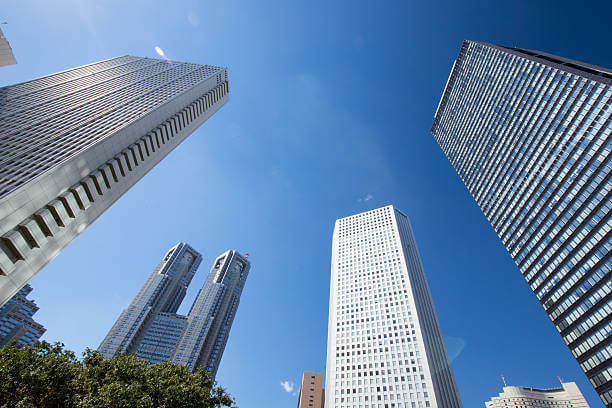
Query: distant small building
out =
(312, 394)
(16, 321)
(6, 52)
(568, 395)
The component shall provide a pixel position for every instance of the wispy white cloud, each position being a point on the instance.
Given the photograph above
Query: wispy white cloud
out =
(288, 386)
(193, 19)
(368, 197)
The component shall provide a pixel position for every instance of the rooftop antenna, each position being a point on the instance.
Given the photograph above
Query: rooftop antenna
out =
(504, 380)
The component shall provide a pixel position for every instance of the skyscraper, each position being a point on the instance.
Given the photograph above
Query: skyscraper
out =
(212, 313)
(385, 347)
(72, 143)
(568, 395)
(312, 394)
(6, 52)
(529, 135)
(16, 322)
(151, 328)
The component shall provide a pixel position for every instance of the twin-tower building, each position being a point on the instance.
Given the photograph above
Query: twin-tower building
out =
(152, 330)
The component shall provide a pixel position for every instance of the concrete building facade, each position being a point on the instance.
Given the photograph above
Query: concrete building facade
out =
(151, 328)
(568, 395)
(385, 348)
(312, 394)
(73, 142)
(529, 134)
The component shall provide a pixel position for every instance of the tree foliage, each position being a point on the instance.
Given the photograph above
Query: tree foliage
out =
(46, 375)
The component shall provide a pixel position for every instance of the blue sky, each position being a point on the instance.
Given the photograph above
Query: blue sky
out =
(329, 115)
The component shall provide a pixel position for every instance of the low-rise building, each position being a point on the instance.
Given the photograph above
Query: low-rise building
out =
(568, 395)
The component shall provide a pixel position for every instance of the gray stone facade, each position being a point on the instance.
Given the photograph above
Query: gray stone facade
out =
(72, 143)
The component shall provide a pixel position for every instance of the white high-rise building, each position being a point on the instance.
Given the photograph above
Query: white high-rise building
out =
(73, 142)
(385, 347)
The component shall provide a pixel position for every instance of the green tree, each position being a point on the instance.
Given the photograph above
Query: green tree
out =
(46, 375)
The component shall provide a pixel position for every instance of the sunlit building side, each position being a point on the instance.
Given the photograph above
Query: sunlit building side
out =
(73, 142)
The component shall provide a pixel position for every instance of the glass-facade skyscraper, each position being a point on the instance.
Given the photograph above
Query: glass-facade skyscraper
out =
(385, 348)
(529, 135)
(151, 328)
(16, 322)
(73, 142)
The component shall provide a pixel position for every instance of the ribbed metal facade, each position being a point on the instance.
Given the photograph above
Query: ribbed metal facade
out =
(529, 135)
(72, 143)
(150, 327)
(385, 347)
